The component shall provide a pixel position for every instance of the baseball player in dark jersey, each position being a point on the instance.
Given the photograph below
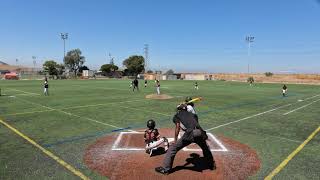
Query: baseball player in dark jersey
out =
(196, 87)
(193, 133)
(284, 90)
(135, 84)
(152, 138)
(46, 88)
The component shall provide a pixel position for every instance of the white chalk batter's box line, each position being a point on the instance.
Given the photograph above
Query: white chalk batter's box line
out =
(211, 136)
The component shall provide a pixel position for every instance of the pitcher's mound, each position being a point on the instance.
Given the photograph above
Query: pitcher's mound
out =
(156, 96)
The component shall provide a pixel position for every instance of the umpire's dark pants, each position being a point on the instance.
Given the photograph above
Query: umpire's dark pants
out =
(183, 142)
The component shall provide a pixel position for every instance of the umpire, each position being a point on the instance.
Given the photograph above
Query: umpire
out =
(193, 134)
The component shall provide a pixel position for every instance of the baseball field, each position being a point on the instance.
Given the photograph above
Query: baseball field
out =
(71, 133)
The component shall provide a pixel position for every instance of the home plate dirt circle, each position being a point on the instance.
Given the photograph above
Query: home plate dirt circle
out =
(121, 156)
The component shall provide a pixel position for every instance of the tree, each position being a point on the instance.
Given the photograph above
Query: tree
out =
(60, 69)
(134, 64)
(50, 67)
(108, 68)
(268, 74)
(73, 61)
(169, 72)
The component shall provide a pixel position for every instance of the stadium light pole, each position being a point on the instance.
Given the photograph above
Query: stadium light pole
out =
(64, 37)
(34, 62)
(249, 40)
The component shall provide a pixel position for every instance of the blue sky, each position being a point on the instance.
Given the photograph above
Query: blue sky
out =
(185, 35)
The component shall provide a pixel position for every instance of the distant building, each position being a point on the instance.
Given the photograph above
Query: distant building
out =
(195, 76)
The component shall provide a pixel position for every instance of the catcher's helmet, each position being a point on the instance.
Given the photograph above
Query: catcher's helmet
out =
(151, 124)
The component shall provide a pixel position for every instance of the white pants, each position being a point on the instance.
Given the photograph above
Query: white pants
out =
(156, 144)
(46, 91)
(158, 90)
(196, 87)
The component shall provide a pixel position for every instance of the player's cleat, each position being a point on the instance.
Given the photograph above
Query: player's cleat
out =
(162, 170)
(212, 165)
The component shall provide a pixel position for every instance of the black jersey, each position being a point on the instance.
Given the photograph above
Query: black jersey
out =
(135, 82)
(187, 119)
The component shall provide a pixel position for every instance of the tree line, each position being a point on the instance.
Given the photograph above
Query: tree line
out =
(74, 61)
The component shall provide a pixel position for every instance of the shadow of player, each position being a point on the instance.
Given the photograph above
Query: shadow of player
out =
(199, 164)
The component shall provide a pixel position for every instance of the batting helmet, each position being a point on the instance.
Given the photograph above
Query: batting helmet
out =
(151, 124)
(188, 99)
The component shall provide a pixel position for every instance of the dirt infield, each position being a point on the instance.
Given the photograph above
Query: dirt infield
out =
(156, 96)
(238, 162)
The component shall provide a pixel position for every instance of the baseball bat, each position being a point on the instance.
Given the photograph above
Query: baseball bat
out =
(195, 99)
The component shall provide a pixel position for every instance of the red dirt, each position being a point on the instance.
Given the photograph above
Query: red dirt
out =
(239, 162)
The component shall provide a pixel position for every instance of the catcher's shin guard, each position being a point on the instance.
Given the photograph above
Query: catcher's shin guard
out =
(166, 144)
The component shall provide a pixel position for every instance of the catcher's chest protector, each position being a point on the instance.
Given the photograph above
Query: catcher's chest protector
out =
(151, 135)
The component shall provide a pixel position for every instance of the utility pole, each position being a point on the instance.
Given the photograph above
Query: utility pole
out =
(146, 57)
(64, 37)
(249, 40)
(111, 59)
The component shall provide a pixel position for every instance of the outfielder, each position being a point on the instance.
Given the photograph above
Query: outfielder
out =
(152, 138)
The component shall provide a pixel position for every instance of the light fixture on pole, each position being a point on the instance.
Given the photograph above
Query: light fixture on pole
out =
(249, 40)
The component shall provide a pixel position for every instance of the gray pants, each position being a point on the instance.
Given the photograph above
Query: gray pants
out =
(181, 143)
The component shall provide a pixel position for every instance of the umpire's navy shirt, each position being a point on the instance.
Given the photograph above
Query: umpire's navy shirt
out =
(188, 121)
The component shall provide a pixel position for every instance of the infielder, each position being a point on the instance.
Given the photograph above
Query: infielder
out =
(46, 87)
(196, 87)
(193, 133)
(145, 83)
(152, 138)
(284, 90)
(135, 84)
(158, 86)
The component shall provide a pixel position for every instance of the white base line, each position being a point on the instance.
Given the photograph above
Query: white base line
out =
(259, 114)
(24, 91)
(312, 97)
(70, 114)
(301, 107)
(117, 141)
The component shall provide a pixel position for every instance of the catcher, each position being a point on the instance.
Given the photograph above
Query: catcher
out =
(152, 138)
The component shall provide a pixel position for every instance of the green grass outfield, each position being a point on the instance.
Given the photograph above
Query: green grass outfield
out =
(77, 112)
